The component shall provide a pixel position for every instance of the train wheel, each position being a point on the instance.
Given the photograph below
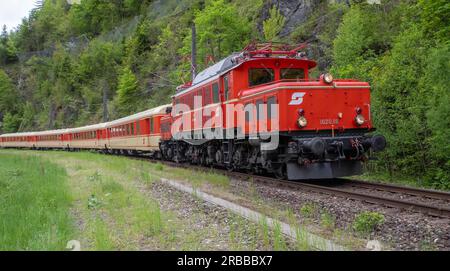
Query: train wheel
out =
(281, 173)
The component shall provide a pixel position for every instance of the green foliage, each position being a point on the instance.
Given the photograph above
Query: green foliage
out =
(367, 222)
(434, 85)
(9, 108)
(352, 51)
(94, 202)
(127, 92)
(8, 96)
(273, 25)
(436, 18)
(220, 30)
(8, 50)
(308, 210)
(407, 65)
(11, 123)
(327, 221)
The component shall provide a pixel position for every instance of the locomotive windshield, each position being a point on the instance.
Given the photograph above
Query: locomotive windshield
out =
(260, 76)
(292, 74)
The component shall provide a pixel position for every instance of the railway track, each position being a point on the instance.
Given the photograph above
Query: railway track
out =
(429, 202)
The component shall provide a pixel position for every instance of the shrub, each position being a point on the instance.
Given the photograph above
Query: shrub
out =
(366, 222)
(308, 210)
(327, 220)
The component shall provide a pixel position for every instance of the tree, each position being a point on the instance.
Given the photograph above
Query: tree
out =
(220, 30)
(4, 36)
(8, 51)
(434, 86)
(274, 24)
(127, 92)
(436, 18)
(8, 104)
(11, 123)
(351, 49)
(8, 96)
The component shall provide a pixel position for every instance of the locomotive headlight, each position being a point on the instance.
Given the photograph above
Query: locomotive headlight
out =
(302, 122)
(327, 78)
(360, 120)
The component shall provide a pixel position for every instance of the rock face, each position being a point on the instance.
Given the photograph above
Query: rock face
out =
(295, 11)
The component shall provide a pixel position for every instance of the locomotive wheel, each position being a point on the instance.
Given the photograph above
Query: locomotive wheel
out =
(231, 168)
(280, 173)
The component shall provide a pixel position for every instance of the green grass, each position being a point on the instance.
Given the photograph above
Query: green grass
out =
(111, 204)
(113, 207)
(34, 204)
(308, 210)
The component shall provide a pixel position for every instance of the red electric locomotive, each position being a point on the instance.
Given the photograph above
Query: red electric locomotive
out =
(317, 129)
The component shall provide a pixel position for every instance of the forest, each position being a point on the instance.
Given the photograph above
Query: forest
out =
(72, 63)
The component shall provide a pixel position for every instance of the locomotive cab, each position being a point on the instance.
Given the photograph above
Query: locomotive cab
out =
(322, 123)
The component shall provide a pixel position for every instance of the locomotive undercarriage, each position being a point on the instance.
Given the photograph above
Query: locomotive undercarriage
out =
(296, 158)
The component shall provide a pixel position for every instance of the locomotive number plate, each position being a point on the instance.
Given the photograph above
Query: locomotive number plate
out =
(329, 121)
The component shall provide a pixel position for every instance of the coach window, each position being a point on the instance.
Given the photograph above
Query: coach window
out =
(152, 126)
(132, 128)
(270, 101)
(215, 89)
(226, 87)
(128, 129)
(138, 128)
(293, 74)
(260, 76)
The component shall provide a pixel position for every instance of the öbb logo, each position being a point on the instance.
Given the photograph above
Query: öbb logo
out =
(297, 98)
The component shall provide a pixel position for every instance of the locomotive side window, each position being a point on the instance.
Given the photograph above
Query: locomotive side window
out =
(199, 96)
(226, 87)
(207, 96)
(215, 93)
(247, 113)
(259, 109)
(260, 76)
(270, 101)
(292, 74)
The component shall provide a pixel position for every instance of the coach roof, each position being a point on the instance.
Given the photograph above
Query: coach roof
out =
(160, 110)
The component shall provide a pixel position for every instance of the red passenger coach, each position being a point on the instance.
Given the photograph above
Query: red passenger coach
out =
(137, 133)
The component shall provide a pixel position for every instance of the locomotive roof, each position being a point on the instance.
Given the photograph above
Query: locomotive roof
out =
(227, 64)
(221, 66)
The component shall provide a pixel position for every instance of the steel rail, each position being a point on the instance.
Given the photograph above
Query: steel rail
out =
(432, 210)
(412, 191)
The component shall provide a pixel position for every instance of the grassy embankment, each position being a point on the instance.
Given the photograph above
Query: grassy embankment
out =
(106, 203)
(34, 204)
